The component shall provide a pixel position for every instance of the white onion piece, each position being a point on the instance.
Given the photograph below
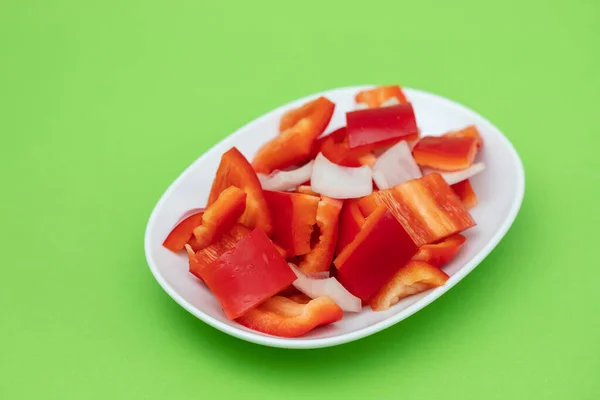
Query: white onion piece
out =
(454, 177)
(392, 101)
(339, 182)
(329, 287)
(286, 180)
(395, 166)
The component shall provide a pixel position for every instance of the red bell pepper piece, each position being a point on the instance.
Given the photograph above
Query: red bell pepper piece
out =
(220, 216)
(319, 111)
(280, 316)
(299, 298)
(306, 189)
(446, 153)
(206, 256)
(351, 222)
(295, 143)
(415, 277)
(427, 208)
(379, 249)
(465, 193)
(320, 257)
(182, 233)
(248, 274)
(234, 170)
(440, 254)
(294, 215)
(376, 97)
(470, 131)
(381, 126)
(336, 148)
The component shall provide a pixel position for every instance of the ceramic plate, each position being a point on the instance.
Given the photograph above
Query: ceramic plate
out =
(499, 190)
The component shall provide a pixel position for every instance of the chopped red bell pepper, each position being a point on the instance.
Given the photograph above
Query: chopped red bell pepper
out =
(446, 153)
(351, 222)
(299, 298)
(440, 254)
(465, 193)
(182, 233)
(336, 149)
(427, 208)
(380, 248)
(320, 257)
(295, 144)
(206, 256)
(294, 215)
(280, 316)
(248, 274)
(470, 131)
(414, 277)
(306, 189)
(381, 126)
(234, 170)
(220, 216)
(377, 96)
(319, 111)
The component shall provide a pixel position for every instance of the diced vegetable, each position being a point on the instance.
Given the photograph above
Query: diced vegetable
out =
(395, 166)
(427, 208)
(183, 232)
(234, 170)
(206, 256)
(380, 127)
(220, 216)
(336, 149)
(281, 316)
(468, 132)
(320, 257)
(465, 192)
(339, 182)
(250, 273)
(351, 222)
(317, 111)
(295, 143)
(445, 153)
(440, 254)
(286, 180)
(381, 96)
(329, 287)
(294, 215)
(415, 277)
(306, 189)
(380, 248)
(457, 176)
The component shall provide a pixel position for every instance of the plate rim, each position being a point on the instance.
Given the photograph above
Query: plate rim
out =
(299, 343)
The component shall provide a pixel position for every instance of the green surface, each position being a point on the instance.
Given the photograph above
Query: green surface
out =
(104, 103)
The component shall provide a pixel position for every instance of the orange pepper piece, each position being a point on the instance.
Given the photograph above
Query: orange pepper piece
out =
(377, 96)
(446, 153)
(465, 192)
(182, 233)
(440, 254)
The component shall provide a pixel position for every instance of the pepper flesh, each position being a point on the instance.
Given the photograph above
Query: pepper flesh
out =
(427, 208)
(248, 274)
(206, 256)
(320, 257)
(446, 153)
(470, 131)
(280, 316)
(439, 254)
(351, 222)
(372, 258)
(465, 193)
(336, 148)
(295, 143)
(182, 233)
(220, 216)
(414, 277)
(235, 170)
(381, 126)
(294, 215)
(377, 96)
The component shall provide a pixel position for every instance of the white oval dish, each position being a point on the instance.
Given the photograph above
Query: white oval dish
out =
(500, 188)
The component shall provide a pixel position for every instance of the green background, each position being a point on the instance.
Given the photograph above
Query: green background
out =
(104, 103)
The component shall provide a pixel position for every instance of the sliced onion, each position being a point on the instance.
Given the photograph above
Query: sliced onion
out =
(286, 180)
(339, 182)
(330, 287)
(457, 176)
(395, 166)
